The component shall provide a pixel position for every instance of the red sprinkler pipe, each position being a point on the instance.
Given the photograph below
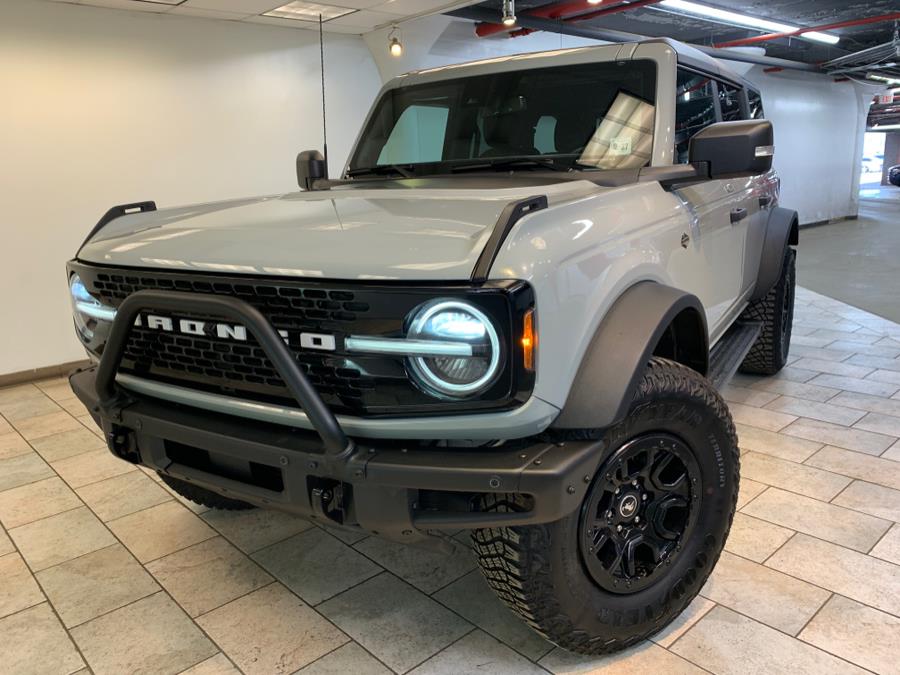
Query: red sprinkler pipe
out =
(558, 10)
(800, 31)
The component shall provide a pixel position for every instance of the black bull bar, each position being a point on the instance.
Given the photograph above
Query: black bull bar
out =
(384, 480)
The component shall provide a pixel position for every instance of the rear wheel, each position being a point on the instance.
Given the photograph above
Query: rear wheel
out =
(769, 353)
(648, 533)
(202, 496)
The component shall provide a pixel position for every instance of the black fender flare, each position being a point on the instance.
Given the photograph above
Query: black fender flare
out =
(614, 363)
(782, 230)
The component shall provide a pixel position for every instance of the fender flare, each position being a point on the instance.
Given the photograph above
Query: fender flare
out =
(614, 363)
(782, 230)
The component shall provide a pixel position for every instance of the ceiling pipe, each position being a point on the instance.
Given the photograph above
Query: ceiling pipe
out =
(800, 31)
(634, 4)
(558, 10)
(478, 14)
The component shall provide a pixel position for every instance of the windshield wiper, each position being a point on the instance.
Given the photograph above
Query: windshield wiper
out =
(511, 164)
(381, 170)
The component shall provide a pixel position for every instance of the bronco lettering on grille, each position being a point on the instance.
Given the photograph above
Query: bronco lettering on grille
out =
(227, 331)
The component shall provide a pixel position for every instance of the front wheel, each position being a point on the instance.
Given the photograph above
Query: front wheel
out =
(648, 532)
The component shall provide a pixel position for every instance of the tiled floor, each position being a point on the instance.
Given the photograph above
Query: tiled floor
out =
(102, 570)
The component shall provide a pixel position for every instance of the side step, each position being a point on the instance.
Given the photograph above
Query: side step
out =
(728, 354)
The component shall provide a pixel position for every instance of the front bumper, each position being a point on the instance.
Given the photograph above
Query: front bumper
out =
(402, 493)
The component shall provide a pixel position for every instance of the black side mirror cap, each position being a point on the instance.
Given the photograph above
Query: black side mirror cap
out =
(311, 167)
(734, 149)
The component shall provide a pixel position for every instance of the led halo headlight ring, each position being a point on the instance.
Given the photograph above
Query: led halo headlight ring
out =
(425, 373)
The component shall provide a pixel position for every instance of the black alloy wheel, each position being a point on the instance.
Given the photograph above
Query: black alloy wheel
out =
(642, 505)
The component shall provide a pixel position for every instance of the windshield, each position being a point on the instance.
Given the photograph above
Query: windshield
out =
(586, 116)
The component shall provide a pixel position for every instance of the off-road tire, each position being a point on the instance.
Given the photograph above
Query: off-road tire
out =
(769, 353)
(204, 497)
(539, 571)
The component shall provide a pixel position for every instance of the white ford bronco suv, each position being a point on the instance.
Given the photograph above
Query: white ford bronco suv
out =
(510, 314)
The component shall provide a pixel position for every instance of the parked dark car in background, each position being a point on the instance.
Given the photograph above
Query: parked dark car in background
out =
(894, 175)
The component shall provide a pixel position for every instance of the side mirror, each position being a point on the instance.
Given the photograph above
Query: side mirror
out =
(311, 167)
(734, 149)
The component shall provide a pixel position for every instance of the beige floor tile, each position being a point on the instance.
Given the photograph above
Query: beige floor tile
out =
(881, 424)
(348, 536)
(759, 417)
(477, 652)
(32, 632)
(889, 376)
(18, 392)
(59, 538)
(809, 391)
(835, 524)
(168, 641)
(851, 574)
(873, 362)
(755, 539)
(31, 406)
(208, 575)
(823, 354)
(22, 470)
(889, 546)
(764, 594)
(122, 495)
(6, 545)
(775, 444)
(5, 427)
(855, 385)
(217, 665)
(96, 583)
(56, 388)
(192, 506)
(875, 500)
(835, 434)
(748, 491)
(271, 631)
(645, 658)
(824, 412)
(473, 599)
(33, 428)
(857, 633)
(793, 374)
(692, 614)
(18, 589)
(426, 570)
(351, 658)
(67, 444)
(160, 530)
(34, 501)
(315, 565)
(13, 445)
(727, 643)
(255, 529)
(877, 404)
(405, 632)
(755, 397)
(791, 476)
(877, 470)
(87, 422)
(845, 369)
(893, 452)
(72, 406)
(91, 467)
(845, 335)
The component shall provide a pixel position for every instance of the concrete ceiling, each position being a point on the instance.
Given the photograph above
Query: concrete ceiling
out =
(656, 22)
(362, 16)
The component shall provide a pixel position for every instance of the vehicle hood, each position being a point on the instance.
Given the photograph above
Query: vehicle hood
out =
(359, 233)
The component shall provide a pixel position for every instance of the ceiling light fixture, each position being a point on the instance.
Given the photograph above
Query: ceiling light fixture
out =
(394, 44)
(299, 10)
(734, 18)
(509, 12)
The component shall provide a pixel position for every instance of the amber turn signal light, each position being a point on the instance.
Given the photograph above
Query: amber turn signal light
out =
(529, 339)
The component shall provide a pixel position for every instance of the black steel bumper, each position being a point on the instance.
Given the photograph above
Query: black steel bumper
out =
(397, 492)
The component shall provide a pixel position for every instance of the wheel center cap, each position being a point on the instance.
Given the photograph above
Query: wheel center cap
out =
(628, 506)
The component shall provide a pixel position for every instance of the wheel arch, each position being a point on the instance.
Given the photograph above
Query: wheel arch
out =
(648, 319)
(782, 230)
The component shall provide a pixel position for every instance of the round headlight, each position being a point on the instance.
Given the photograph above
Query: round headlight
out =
(458, 324)
(86, 309)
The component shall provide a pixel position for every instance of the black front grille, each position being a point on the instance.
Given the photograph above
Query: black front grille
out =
(348, 383)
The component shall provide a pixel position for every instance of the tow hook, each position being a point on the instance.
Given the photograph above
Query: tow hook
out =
(122, 444)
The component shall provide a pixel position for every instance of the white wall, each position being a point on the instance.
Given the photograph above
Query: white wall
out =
(101, 107)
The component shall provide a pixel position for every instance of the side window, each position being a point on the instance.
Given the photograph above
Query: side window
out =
(695, 109)
(417, 137)
(756, 106)
(730, 101)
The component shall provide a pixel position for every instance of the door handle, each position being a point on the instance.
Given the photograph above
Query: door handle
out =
(737, 215)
